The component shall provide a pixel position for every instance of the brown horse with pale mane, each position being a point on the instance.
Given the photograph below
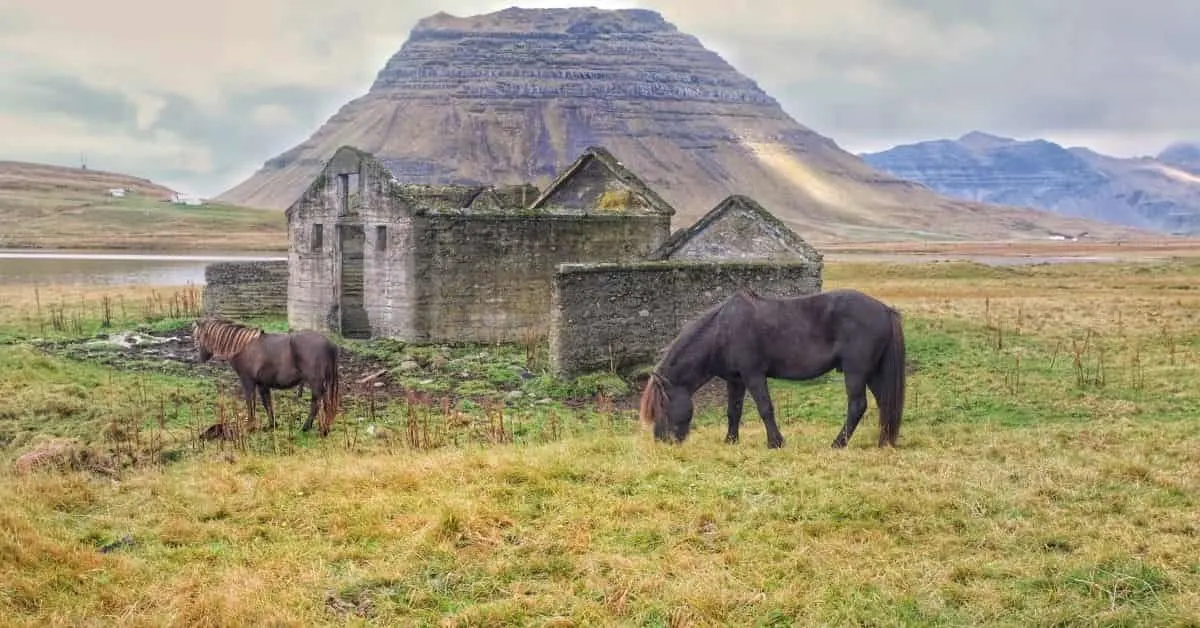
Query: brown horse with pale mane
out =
(264, 361)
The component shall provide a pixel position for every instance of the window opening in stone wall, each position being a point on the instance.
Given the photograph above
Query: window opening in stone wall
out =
(318, 237)
(347, 187)
(380, 237)
(343, 194)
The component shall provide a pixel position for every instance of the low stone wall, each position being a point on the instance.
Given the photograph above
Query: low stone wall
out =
(243, 290)
(616, 316)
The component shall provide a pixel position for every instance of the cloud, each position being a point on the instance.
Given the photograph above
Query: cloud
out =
(198, 96)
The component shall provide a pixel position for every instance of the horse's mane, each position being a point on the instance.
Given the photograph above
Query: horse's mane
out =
(225, 337)
(654, 397)
(695, 327)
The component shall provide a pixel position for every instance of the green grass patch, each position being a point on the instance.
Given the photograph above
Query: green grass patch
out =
(1046, 475)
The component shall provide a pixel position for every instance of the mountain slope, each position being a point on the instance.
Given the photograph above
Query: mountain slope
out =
(1182, 155)
(516, 95)
(1146, 193)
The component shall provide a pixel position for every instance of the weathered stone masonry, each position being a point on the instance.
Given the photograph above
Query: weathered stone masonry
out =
(246, 290)
(614, 316)
(426, 263)
(489, 278)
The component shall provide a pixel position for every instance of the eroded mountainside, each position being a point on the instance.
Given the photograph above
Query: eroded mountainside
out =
(516, 95)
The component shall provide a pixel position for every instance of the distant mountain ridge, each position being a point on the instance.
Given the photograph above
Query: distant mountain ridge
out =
(1182, 155)
(516, 95)
(1159, 193)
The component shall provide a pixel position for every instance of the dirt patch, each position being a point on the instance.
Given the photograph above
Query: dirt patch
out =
(380, 375)
(173, 352)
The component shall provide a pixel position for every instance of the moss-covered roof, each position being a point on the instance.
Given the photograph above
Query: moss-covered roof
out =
(785, 234)
(617, 169)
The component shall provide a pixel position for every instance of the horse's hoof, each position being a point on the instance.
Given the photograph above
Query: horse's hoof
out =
(837, 444)
(731, 440)
(775, 444)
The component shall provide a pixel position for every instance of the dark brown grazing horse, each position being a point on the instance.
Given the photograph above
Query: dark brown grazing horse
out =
(747, 338)
(263, 361)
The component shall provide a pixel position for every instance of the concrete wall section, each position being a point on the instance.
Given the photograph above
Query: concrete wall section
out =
(488, 278)
(244, 290)
(621, 315)
(313, 267)
(390, 281)
(363, 198)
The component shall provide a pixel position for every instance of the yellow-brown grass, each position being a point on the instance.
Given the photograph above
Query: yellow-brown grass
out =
(967, 526)
(1018, 496)
(1141, 248)
(32, 309)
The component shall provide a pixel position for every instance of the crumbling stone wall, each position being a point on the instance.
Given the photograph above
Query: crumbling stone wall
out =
(489, 278)
(450, 263)
(621, 315)
(244, 290)
(315, 281)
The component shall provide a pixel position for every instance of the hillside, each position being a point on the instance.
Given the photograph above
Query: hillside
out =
(515, 96)
(1182, 155)
(1149, 193)
(46, 206)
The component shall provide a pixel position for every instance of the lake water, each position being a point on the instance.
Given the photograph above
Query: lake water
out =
(47, 267)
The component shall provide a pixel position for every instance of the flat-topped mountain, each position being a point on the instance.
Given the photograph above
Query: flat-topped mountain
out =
(516, 95)
(1161, 194)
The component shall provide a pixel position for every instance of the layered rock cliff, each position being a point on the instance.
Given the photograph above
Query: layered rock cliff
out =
(516, 95)
(1147, 193)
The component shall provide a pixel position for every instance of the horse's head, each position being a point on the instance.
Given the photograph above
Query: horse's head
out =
(205, 354)
(668, 408)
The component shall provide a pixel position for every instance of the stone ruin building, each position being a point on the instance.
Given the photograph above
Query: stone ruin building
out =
(589, 264)
(370, 256)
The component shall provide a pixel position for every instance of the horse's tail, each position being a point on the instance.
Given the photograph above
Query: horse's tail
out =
(333, 389)
(892, 383)
(654, 401)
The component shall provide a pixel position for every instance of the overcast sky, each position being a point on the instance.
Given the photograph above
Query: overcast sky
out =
(196, 95)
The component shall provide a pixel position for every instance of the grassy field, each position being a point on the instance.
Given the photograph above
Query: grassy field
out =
(53, 207)
(1048, 474)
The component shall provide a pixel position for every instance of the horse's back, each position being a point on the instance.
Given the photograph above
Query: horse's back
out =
(831, 318)
(313, 351)
(311, 340)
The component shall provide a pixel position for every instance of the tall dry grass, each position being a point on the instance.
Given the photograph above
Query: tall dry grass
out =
(1047, 475)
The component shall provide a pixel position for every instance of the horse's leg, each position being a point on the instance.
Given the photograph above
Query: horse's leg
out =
(735, 390)
(265, 394)
(313, 406)
(248, 390)
(856, 406)
(757, 386)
